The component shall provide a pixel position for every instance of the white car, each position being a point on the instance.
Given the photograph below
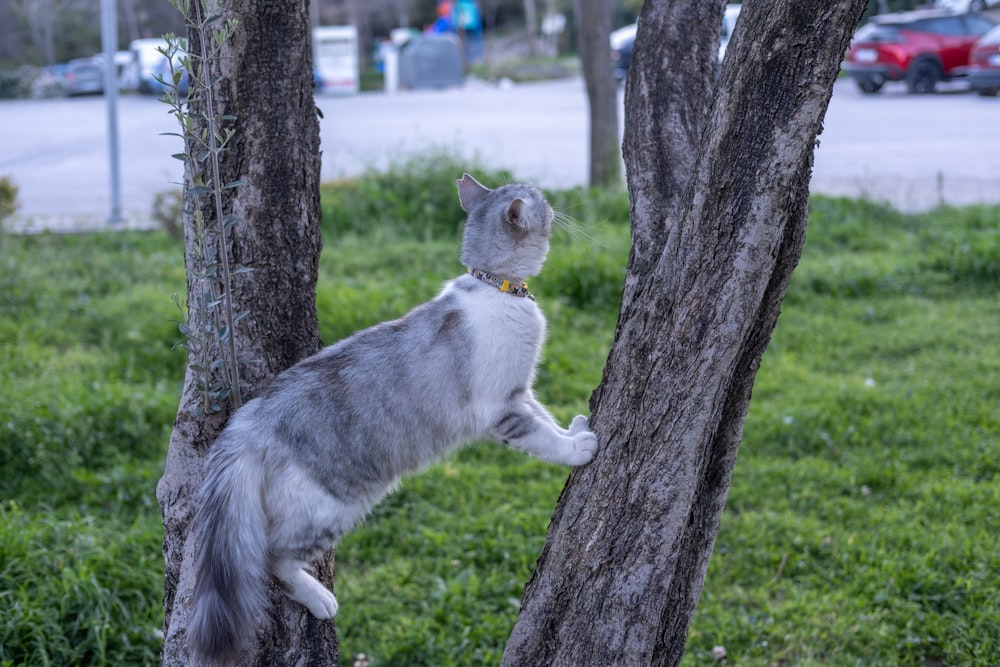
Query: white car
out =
(623, 39)
(964, 6)
(728, 24)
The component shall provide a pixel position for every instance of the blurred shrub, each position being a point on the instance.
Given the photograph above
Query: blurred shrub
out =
(8, 197)
(837, 224)
(583, 207)
(90, 376)
(168, 211)
(967, 248)
(588, 280)
(414, 198)
(60, 426)
(17, 83)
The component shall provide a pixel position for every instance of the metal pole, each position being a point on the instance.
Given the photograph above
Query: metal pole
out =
(109, 42)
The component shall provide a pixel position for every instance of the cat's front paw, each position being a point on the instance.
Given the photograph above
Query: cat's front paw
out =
(584, 447)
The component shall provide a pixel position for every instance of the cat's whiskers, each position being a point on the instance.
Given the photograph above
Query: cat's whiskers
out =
(577, 230)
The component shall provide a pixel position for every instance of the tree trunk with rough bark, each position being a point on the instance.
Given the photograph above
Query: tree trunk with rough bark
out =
(602, 90)
(264, 79)
(719, 181)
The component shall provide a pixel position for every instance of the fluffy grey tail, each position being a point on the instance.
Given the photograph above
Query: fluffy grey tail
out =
(231, 559)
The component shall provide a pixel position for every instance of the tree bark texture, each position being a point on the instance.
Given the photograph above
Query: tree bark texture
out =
(264, 79)
(602, 91)
(719, 187)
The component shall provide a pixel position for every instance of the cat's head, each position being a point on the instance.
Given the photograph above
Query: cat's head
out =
(507, 232)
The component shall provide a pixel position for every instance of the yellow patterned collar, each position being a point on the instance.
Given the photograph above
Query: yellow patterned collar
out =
(502, 284)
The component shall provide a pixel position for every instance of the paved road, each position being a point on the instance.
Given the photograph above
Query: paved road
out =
(911, 151)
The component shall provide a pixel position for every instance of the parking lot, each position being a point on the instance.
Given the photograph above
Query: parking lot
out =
(914, 152)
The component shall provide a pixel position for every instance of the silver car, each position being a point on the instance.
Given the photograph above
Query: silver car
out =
(83, 76)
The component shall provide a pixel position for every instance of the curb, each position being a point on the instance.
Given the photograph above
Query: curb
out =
(73, 224)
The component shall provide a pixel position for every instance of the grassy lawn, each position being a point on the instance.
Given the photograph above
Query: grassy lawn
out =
(862, 519)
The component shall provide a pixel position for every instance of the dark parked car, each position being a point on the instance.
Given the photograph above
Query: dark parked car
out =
(984, 64)
(183, 80)
(621, 50)
(623, 39)
(921, 47)
(83, 77)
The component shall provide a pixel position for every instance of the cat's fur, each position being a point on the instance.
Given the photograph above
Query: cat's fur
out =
(299, 466)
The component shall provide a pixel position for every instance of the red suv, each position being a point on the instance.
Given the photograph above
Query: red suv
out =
(920, 47)
(984, 64)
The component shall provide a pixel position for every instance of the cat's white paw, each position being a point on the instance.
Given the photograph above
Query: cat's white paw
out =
(322, 603)
(306, 589)
(584, 447)
(578, 425)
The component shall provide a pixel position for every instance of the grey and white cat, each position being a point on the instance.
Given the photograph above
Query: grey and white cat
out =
(299, 466)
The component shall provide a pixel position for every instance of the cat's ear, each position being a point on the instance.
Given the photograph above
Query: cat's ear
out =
(513, 213)
(471, 192)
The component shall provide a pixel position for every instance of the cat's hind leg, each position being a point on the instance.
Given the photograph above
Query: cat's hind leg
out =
(305, 588)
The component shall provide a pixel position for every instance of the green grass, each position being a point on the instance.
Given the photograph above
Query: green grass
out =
(861, 524)
(862, 520)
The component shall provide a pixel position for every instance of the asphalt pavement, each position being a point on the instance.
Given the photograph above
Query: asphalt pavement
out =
(914, 152)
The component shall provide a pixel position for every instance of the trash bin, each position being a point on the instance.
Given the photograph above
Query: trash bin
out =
(430, 61)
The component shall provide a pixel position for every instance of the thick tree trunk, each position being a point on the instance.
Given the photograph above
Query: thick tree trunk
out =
(602, 92)
(718, 214)
(265, 81)
(531, 25)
